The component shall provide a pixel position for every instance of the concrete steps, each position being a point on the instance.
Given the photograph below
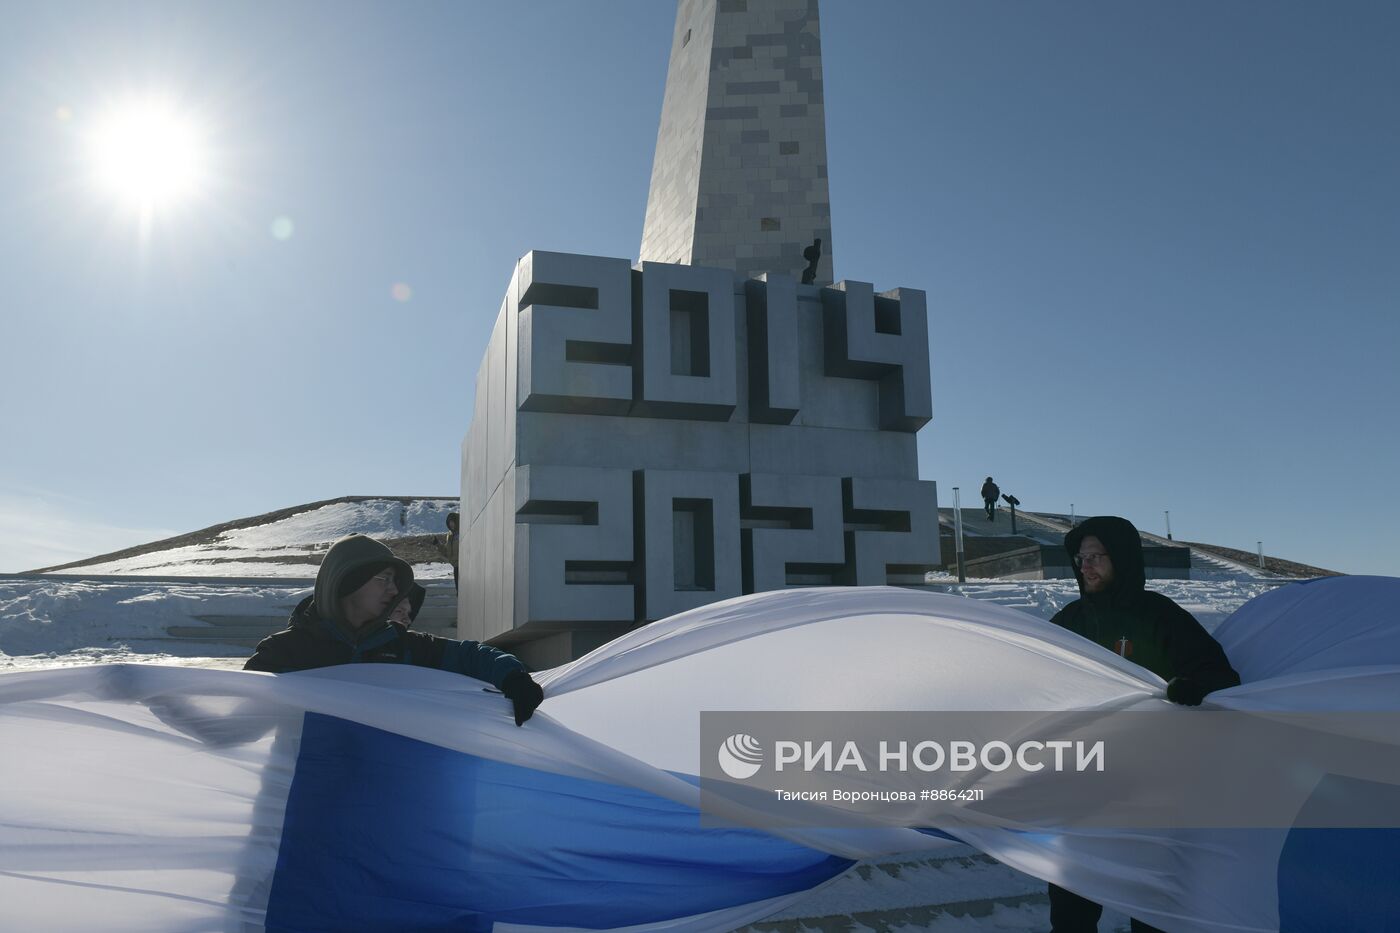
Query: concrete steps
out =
(1212, 563)
(924, 890)
(904, 919)
(1207, 564)
(975, 524)
(912, 891)
(243, 631)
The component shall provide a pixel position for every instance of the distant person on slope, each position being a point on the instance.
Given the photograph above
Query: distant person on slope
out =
(1116, 610)
(990, 494)
(346, 621)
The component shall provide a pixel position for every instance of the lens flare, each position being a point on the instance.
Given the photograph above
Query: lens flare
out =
(148, 154)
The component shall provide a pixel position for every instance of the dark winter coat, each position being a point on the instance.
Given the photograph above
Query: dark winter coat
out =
(314, 637)
(990, 492)
(310, 641)
(1145, 627)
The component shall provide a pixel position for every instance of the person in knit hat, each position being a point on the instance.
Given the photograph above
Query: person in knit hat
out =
(408, 606)
(346, 620)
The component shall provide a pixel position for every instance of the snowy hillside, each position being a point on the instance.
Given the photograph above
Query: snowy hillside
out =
(289, 543)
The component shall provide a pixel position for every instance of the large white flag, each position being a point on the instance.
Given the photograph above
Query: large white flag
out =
(381, 797)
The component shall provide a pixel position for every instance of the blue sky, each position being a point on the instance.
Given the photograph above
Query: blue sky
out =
(1159, 243)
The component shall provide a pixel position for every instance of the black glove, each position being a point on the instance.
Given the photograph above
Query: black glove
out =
(522, 691)
(1186, 691)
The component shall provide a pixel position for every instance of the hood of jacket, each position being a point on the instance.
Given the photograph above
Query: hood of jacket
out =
(346, 556)
(1124, 546)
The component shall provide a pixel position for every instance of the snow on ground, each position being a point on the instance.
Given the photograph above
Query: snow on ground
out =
(290, 547)
(200, 561)
(442, 571)
(57, 622)
(1210, 601)
(52, 621)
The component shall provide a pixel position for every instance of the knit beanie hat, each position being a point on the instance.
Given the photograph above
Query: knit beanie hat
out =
(414, 599)
(356, 577)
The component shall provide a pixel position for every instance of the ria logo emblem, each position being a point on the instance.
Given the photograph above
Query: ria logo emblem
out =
(741, 756)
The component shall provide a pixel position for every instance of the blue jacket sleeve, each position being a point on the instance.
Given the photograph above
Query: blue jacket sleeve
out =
(474, 659)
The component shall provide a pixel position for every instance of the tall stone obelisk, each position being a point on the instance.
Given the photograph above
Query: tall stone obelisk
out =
(739, 181)
(652, 437)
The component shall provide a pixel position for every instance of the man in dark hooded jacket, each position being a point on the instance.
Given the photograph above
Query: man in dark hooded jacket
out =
(1115, 610)
(346, 621)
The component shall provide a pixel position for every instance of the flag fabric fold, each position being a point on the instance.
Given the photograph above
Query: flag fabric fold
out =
(366, 797)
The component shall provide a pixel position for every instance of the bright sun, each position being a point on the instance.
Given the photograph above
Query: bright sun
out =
(148, 154)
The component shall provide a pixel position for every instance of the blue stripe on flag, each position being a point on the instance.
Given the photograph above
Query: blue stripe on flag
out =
(386, 832)
(1341, 879)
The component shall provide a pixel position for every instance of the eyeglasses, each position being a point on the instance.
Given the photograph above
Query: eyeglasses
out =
(1092, 559)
